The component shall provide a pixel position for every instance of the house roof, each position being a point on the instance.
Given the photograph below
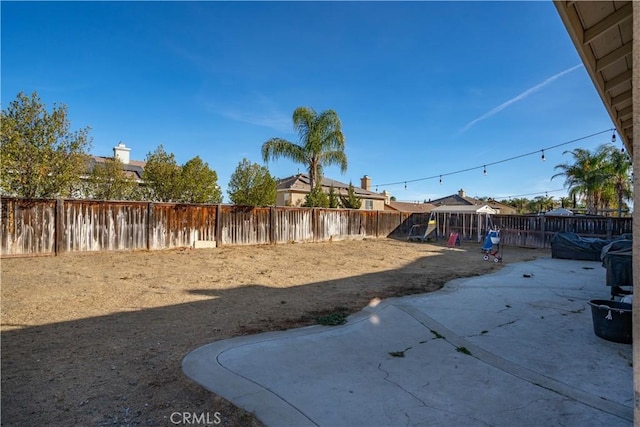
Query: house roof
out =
(454, 200)
(300, 183)
(559, 212)
(410, 207)
(465, 209)
(463, 200)
(133, 169)
(505, 209)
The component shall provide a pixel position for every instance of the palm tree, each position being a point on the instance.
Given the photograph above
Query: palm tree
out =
(586, 177)
(618, 168)
(545, 203)
(565, 202)
(321, 143)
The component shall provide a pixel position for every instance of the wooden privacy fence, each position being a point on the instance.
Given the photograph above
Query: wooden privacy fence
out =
(537, 231)
(47, 227)
(533, 231)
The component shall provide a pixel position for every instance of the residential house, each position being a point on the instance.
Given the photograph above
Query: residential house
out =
(409, 207)
(461, 199)
(132, 168)
(292, 191)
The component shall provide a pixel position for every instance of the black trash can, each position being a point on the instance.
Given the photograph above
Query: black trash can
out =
(612, 320)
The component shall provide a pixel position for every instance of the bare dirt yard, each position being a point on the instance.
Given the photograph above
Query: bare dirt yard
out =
(98, 339)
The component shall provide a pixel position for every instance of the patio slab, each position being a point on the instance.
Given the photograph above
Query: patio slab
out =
(512, 348)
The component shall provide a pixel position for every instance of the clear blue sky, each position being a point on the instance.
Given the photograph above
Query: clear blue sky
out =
(422, 88)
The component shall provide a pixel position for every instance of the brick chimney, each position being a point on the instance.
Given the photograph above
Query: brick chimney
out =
(365, 183)
(121, 152)
(462, 193)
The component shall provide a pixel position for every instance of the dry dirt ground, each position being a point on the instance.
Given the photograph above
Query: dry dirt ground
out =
(98, 339)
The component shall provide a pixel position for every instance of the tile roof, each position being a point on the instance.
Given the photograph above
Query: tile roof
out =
(411, 207)
(301, 183)
(134, 168)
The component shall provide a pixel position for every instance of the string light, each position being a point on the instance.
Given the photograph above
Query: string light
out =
(535, 194)
(499, 161)
(405, 185)
(511, 197)
(613, 137)
(485, 170)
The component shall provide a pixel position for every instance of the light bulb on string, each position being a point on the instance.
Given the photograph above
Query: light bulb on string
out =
(543, 156)
(484, 171)
(613, 137)
(405, 185)
(440, 179)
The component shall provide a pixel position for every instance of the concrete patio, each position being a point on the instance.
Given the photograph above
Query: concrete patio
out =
(512, 348)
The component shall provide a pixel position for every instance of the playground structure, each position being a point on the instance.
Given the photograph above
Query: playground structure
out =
(470, 222)
(423, 232)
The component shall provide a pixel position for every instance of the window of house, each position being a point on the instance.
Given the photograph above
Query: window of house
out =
(368, 204)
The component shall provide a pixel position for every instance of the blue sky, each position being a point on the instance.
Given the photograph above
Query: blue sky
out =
(423, 89)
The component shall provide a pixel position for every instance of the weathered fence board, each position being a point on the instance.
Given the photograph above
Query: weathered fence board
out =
(537, 231)
(244, 225)
(45, 227)
(100, 226)
(28, 227)
(293, 225)
(178, 225)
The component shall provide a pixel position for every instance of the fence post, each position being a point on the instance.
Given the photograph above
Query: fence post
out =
(609, 228)
(314, 223)
(543, 228)
(218, 226)
(150, 221)
(377, 224)
(59, 227)
(272, 224)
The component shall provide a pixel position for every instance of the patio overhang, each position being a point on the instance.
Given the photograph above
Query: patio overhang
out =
(602, 32)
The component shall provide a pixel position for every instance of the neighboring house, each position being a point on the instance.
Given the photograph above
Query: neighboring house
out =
(132, 168)
(409, 207)
(461, 199)
(292, 191)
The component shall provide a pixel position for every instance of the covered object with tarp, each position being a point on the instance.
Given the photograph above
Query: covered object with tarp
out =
(567, 245)
(617, 258)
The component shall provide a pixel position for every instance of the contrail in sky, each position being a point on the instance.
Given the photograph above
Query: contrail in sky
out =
(520, 97)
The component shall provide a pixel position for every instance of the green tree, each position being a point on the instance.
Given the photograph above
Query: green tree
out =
(351, 201)
(566, 202)
(600, 178)
(198, 183)
(520, 204)
(586, 176)
(543, 203)
(41, 157)
(316, 198)
(321, 144)
(162, 177)
(618, 170)
(252, 185)
(109, 181)
(334, 200)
